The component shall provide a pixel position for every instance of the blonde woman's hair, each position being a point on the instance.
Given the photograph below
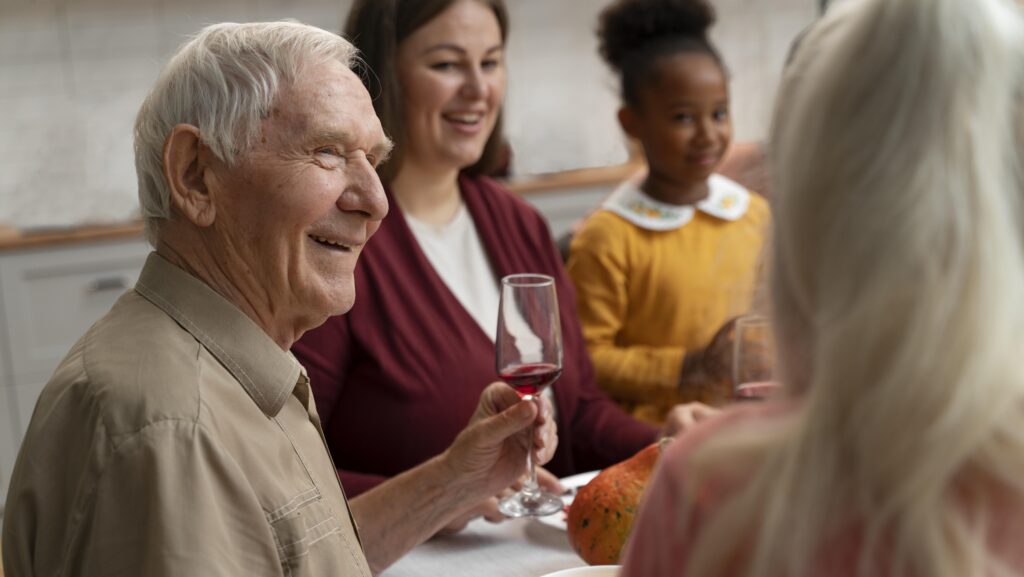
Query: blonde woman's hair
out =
(898, 275)
(224, 82)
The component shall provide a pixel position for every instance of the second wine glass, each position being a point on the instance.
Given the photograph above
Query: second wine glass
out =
(529, 358)
(754, 359)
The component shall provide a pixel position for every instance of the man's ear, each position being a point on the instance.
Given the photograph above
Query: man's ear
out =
(185, 169)
(628, 121)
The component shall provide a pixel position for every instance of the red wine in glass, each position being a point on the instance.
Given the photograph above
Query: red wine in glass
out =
(532, 378)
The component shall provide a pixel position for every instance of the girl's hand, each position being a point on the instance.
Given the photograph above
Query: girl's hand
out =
(682, 418)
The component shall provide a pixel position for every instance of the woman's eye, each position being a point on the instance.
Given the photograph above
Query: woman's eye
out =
(681, 117)
(442, 66)
(721, 115)
(491, 64)
(328, 150)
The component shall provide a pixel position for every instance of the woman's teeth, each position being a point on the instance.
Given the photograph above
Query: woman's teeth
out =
(468, 118)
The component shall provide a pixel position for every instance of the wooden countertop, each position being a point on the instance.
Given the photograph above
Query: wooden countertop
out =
(14, 239)
(556, 181)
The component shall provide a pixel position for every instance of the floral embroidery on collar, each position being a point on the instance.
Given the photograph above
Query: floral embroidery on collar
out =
(726, 200)
(648, 210)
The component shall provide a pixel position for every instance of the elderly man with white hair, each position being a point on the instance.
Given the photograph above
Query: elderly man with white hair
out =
(178, 437)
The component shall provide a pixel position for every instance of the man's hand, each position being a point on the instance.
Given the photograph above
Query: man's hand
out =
(487, 457)
(488, 509)
(490, 453)
(682, 418)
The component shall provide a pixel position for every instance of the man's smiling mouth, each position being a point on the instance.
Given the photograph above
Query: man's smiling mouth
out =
(332, 244)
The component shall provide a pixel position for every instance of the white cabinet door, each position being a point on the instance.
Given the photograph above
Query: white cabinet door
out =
(51, 296)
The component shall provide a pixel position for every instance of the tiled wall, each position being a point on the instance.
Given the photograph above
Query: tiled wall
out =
(73, 73)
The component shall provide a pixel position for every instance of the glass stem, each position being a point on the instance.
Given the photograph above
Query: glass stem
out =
(530, 488)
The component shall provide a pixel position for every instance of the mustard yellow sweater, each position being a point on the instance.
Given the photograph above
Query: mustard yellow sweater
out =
(646, 297)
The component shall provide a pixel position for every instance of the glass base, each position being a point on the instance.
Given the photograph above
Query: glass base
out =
(530, 505)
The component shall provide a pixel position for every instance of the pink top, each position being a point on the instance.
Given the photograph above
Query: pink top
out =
(668, 525)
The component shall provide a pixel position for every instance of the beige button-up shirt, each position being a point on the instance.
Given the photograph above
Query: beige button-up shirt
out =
(176, 438)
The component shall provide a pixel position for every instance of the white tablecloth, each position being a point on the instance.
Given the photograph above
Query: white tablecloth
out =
(514, 548)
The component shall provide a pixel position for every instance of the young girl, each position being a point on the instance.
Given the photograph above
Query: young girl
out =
(670, 259)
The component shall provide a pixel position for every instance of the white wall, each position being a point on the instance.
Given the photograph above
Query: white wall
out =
(73, 73)
(562, 98)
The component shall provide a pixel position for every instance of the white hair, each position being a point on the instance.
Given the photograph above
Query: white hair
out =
(224, 82)
(898, 273)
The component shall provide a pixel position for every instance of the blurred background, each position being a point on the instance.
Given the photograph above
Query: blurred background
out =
(73, 73)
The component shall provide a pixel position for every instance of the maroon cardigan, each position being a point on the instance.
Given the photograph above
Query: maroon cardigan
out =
(399, 376)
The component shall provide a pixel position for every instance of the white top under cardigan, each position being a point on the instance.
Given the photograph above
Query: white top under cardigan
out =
(457, 254)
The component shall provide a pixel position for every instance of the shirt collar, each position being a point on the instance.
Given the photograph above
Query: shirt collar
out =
(726, 200)
(267, 373)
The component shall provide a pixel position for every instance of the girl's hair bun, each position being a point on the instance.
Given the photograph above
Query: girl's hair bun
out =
(627, 27)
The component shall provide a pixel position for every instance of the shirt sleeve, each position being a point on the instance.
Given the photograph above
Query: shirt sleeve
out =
(599, 267)
(171, 502)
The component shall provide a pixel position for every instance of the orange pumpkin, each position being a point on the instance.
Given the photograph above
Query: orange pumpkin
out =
(601, 515)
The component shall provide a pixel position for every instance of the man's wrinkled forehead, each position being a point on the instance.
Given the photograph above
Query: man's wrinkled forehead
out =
(329, 103)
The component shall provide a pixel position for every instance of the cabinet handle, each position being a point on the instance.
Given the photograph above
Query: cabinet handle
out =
(108, 283)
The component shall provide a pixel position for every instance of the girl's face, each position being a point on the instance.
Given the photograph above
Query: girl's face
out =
(682, 119)
(452, 73)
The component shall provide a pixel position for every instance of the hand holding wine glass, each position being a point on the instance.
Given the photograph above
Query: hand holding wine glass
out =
(529, 358)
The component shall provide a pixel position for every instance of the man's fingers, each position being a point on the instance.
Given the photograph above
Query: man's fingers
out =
(544, 415)
(490, 511)
(497, 397)
(495, 429)
(548, 481)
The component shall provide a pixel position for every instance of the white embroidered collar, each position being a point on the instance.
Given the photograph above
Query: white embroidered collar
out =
(727, 200)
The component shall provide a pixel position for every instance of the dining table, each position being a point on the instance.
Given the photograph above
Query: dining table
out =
(512, 548)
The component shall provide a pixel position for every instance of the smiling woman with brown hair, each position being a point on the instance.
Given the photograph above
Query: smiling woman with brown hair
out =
(401, 370)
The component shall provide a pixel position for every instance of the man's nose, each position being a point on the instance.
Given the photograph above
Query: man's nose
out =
(365, 194)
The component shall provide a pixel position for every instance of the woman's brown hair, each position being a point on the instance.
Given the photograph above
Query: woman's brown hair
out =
(377, 28)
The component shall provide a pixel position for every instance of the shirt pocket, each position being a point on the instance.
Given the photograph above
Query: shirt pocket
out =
(309, 537)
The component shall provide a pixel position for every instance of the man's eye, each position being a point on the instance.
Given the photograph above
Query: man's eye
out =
(681, 117)
(491, 64)
(721, 115)
(330, 150)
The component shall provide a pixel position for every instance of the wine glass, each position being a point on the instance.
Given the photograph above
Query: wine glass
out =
(753, 359)
(529, 358)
